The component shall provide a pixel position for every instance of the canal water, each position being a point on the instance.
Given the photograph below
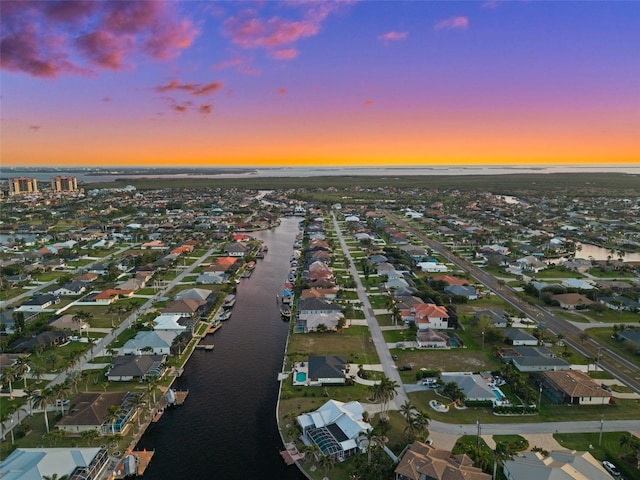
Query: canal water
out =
(227, 426)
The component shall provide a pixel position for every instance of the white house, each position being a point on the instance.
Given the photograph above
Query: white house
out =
(337, 428)
(149, 343)
(168, 322)
(432, 267)
(428, 315)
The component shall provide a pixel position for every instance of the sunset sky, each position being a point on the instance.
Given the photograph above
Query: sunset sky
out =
(266, 83)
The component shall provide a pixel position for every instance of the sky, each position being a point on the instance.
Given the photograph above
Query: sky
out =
(318, 83)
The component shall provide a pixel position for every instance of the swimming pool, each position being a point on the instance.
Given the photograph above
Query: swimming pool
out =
(301, 377)
(498, 393)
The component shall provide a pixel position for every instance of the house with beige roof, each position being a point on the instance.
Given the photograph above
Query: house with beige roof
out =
(421, 461)
(573, 387)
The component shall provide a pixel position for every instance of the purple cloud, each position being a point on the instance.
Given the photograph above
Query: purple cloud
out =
(197, 89)
(453, 23)
(41, 38)
(392, 36)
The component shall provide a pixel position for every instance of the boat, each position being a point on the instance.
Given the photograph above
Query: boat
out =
(170, 397)
(229, 301)
(285, 312)
(224, 315)
(246, 274)
(130, 465)
(251, 265)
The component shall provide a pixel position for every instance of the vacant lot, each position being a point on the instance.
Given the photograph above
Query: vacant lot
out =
(456, 360)
(355, 344)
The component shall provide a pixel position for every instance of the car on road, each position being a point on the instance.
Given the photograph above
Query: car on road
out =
(395, 357)
(404, 368)
(611, 468)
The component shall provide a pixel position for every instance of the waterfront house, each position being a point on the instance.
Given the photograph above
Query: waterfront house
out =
(149, 343)
(422, 461)
(126, 368)
(337, 428)
(37, 463)
(168, 322)
(326, 370)
(236, 249)
(89, 411)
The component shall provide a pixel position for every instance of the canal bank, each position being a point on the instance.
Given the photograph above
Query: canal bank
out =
(228, 422)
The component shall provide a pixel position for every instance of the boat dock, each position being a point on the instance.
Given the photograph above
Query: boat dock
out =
(214, 327)
(204, 346)
(291, 454)
(143, 458)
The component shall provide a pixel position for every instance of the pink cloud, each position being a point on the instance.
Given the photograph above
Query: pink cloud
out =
(35, 128)
(284, 54)
(105, 99)
(368, 102)
(40, 38)
(453, 23)
(242, 65)
(104, 49)
(181, 107)
(277, 35)
(197, 89)
(206, 108)
(392, 36)
(282, 91)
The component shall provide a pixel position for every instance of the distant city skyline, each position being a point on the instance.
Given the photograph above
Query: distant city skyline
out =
(318, 83)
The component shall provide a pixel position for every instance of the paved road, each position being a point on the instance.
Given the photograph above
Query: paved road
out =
(388, 366)
(608, 360)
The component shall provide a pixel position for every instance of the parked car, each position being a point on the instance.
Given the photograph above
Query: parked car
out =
(606, 387)
(404, 368)
(395, 357)
(611, 468)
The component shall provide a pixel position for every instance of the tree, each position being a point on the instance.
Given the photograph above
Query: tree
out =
(43, 399)
(60, 392)
(113, 413)
(9, 376)
(22, 367)
(5, 416)
(326, 463)
(55, 476)
(19, 322)
(89, 436)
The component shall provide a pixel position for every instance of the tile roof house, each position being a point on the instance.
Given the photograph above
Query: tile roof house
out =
(572, 301)
(555, 465)
(574, 387)
(89, 410)
(421, 461)
(429, 315)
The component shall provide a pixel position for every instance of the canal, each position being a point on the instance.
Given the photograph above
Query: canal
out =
(227, 426)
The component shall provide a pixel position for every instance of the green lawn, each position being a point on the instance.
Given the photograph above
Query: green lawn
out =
(627, 350)
(608, 449)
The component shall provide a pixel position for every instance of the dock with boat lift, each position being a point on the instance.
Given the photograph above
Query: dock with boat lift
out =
(142, 458)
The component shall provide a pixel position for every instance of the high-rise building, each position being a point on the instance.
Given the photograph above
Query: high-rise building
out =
(22, 186)
(64, 184)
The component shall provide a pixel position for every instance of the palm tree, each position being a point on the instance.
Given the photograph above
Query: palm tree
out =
(112, 415)
(387, 389)
(73, 378)
(37, 371)
(89, 436)
(55, 476)
(326, 463)
(42, 399)
(22, 367)
(5, 416)
(422, 420)
(60, 392)
(9, 375)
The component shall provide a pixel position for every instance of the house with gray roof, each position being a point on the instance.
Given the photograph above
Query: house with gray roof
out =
(326, 369)
(475, 387)
(467, 291)
(125, 368)
(518, 337)
(498, 318)
(149, 343)
(563, 465)
(533, 359)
